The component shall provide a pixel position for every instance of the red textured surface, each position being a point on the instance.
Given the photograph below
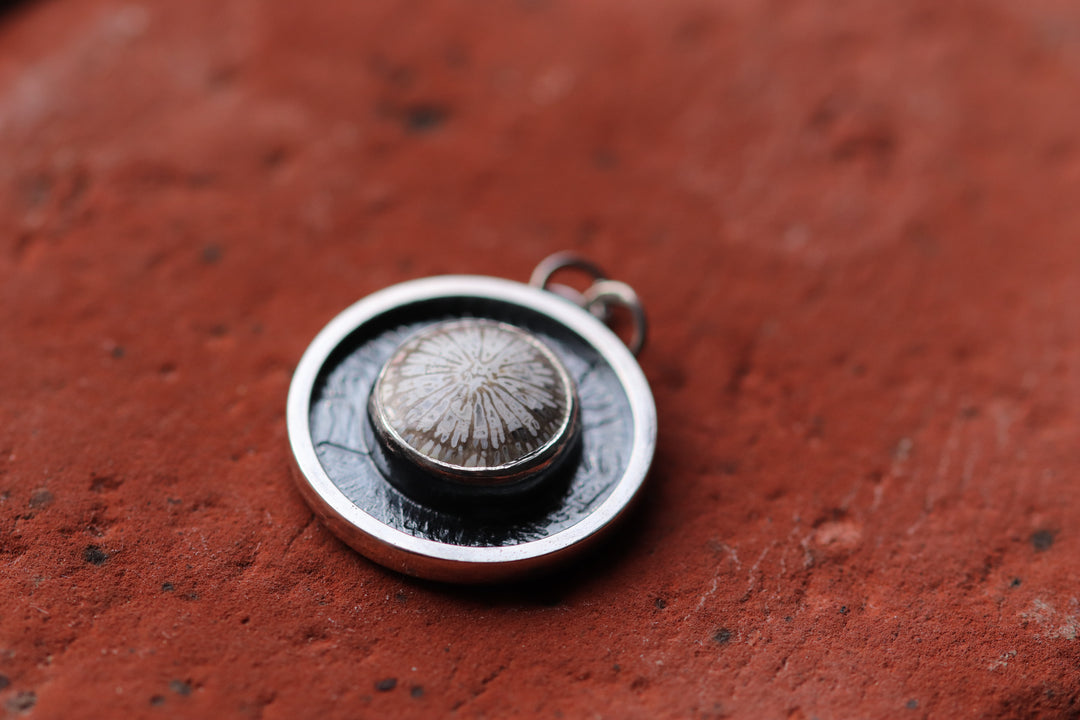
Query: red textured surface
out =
(856, 227)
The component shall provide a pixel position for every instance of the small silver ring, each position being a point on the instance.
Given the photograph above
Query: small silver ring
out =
(604, 293)
(541, 276)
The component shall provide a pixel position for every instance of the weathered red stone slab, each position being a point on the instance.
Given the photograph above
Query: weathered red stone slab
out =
(856, 228)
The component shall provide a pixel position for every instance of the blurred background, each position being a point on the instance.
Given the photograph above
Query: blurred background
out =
(855, 227)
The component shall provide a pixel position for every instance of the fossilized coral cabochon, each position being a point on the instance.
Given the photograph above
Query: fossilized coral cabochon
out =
(475, 394)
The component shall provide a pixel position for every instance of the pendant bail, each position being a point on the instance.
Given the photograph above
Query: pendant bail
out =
(599, 298)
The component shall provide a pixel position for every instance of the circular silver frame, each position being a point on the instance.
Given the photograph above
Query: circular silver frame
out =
(434, 560)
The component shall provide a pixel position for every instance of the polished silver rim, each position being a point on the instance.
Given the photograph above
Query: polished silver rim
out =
(428, 558)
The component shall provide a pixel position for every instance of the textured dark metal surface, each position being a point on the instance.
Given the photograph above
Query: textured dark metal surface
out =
(353, 459)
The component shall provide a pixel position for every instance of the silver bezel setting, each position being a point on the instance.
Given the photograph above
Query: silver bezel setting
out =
(422, 557)
(493, 475)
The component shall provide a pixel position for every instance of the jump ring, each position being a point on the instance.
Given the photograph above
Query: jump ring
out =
(541, 276)
(605, 293)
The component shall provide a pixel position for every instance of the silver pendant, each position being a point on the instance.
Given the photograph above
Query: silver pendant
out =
(473, 429)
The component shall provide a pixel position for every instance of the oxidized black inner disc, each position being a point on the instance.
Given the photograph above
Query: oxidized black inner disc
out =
(355, 460)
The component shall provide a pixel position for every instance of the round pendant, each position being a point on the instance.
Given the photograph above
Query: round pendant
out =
(469, 429)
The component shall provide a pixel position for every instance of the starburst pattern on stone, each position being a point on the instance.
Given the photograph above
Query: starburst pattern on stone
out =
(474, 393)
